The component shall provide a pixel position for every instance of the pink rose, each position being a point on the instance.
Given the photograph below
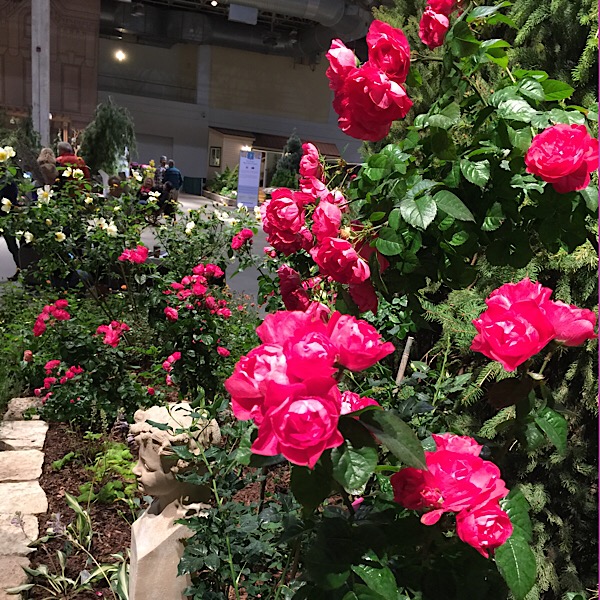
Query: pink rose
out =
(39, 327)
(352, 402)
(51, 365)
(444, 7)
(237, 242)
(171, 313)
(150, 390)
(389, 50)
(27, 356)
(290, 287)
(339, 260)
(61, 303)
(282, 213)
(312, 189)
(433, 28)
(281, 326)
(512, 336)
(359, 343)
(461, 444)
(138, 255)
(223, 351)
(61, 315)
(485, 528)
(572, 325)
(563, 155)
(311, 355)
(112, 333)
(341, 61)
(510, 293)
(247, 384)
(369, 102)
(327, 219)
(364, 296)
(300, 421)
(310, 164)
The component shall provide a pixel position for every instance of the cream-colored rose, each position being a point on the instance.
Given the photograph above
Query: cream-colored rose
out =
(59, 236)
(6, 205)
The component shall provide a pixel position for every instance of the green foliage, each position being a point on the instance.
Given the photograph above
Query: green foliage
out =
(20, 135)
(108, 137)
(288, 166)
(227, 179)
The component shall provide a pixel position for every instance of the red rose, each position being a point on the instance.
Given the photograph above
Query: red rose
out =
(338, 259)
(310, 164)
(341, 61)
(224, 352)
(444, 7)
(512, 336)
(311, 355)
(61, 303)
(300, 421)
(572, 325)
(368, 102)
(327, 219)
(563, 155)
(510, 293)
(352, 402)
(432, 28)
(389, 50)
(364, 296)
(171, 313)
(485, 528)
(294, 296)
(359, 343)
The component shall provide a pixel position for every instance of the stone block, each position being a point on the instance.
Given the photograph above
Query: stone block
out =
(26, 497)
(12, 574)
(23, 435)
(21, 465)
(16, 531)
(17, 407)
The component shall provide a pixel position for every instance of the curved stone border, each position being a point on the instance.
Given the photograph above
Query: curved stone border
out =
(21, 497)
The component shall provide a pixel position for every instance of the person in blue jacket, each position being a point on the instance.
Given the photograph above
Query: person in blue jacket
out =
(173, 175)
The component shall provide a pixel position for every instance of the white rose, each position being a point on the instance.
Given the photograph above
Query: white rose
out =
(59, 236)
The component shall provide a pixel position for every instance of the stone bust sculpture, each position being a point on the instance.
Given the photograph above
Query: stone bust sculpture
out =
(156, 546)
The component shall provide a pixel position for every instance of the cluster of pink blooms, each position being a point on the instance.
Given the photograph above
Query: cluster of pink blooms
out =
(435, 22)
(192, 289)
(112, 332)
(51, 380)
(284, 220)
(137, 256)
(368, 98)
(50, 314)
(168, 365)
(288, 385)
(239, 239)
(521, 319)
(458, 481)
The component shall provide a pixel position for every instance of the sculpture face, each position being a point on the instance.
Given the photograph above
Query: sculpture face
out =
(152, 478)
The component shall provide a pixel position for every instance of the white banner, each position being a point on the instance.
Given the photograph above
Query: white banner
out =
(249, 178)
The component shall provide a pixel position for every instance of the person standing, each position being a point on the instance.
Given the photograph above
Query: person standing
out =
(160, 171)
(67, 158)
(173, 176)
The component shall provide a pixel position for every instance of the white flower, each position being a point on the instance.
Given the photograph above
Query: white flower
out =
(116, 208)
(136, 175)
(189, 227)
(59, 236)
(10, 152)
(77, 174)
(18, 233)
(257, 213)
(44, 194)
(28, 237)
(89, 200)
(154, 194)
(111, 229)
(3, 155)
(6, 203)
(67, 172)
(242, 207)
(48, 222)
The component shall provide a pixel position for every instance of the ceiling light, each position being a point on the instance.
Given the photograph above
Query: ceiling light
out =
(214, 3)
(120, 55)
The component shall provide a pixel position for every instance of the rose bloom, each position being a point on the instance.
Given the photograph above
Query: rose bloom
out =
(369, 102)
(444, 7)
(300, 421)
(352, 402)
(282, 213)
(563, 155)
(27, 356)
(283, 325)
(341, 61)
(512, 336)
(572, 325)
(327, 219)
(510, 293)
(290, 287)
(359, 343)
(171, 313)
(339, 260)
(433, 28)
(312, 354)
(364, 296)
(221, 351)
(310, 165)
(485, 528)
(389, 50)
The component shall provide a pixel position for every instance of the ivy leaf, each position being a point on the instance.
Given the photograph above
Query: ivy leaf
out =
(476, 172)
(516, 562)
(378, 579)
(516, 110)
(556, 90)
(396, 435)
(555, 426)
(452, 205)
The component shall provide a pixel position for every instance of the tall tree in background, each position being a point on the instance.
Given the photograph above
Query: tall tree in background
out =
(288, 166)
(108, 137)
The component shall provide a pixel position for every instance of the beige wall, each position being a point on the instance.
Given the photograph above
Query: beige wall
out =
(272, 85)
(231, 146)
